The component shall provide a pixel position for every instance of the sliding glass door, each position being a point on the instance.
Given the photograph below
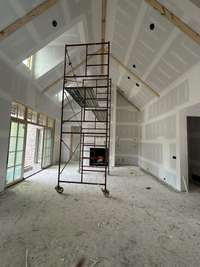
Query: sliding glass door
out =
(16, 152)
(47, 147)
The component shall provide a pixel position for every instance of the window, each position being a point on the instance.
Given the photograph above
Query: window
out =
(16, 152)
(31, 116)
(28, 62)
(42, 120)
(47, 148)
(50, 123)
(18, 111)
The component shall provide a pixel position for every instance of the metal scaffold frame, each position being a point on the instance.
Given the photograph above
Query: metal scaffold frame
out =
(90, 88)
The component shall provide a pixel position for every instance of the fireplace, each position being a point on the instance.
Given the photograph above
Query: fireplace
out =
(97, 156)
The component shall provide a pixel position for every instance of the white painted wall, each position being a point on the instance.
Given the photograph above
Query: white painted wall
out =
(113, 125)
(16, 87)
(126, 133)
(164, 130)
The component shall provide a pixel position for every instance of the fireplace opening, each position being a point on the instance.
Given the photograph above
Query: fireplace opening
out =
(97, 156)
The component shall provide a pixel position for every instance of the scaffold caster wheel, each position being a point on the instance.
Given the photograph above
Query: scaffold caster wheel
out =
(59, 189)
(105, 192)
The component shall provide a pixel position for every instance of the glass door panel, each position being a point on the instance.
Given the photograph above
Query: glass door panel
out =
(47, 148)
(16, 152)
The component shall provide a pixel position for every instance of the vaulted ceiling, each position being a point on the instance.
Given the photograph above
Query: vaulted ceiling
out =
(157, 56)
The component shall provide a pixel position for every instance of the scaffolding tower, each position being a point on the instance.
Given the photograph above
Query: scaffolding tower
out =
(87, 84)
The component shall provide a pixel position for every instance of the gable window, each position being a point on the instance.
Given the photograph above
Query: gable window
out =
(28, 62)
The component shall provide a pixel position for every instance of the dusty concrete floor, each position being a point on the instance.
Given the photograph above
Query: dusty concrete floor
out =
(134, 227)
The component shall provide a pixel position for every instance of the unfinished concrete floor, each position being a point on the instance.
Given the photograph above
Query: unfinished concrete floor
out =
(134, 227)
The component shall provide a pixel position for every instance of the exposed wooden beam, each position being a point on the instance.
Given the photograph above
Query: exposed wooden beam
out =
(37, 11)
(103, 30)
(175, 20)
(120, 91)
(135, 75)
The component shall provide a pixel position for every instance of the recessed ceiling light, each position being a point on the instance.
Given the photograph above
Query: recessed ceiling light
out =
(134, 66)
(54, 23)
(152, 26)
(137, 84)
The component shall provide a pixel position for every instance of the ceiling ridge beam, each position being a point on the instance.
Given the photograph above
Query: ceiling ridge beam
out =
(22, 21)
(136, 76)
(180, 24)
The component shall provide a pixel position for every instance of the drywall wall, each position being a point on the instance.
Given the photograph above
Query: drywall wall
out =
(163, 133)
(113, 125)
(14, 86)
(126, 150)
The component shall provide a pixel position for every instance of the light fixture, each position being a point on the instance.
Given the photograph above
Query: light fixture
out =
(54, 23)
(152, 26)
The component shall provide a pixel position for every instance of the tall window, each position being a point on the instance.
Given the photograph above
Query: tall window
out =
(34, 129)
(16, 152)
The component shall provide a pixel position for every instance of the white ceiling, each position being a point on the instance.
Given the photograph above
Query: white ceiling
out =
(160, 56)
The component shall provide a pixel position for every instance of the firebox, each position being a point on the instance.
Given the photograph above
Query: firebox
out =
(98, 156)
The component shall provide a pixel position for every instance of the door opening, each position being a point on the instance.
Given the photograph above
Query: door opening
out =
(33, 151)
(193, 136)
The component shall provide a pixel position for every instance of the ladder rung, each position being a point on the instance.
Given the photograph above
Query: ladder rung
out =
(96, 65)
(93, 146)
(87, 166)
(92, 170)
(96, 54)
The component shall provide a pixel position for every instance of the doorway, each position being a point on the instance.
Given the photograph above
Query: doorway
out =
(193, 137)
(47, 148)
(31, 143)
(33, 151)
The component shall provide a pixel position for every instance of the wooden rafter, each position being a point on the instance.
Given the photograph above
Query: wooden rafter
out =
(37, 11)
(175, 20)
(120, 91)
(135, 75)
(103, 29)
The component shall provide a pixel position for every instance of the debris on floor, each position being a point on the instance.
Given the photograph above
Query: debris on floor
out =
(160, 229)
